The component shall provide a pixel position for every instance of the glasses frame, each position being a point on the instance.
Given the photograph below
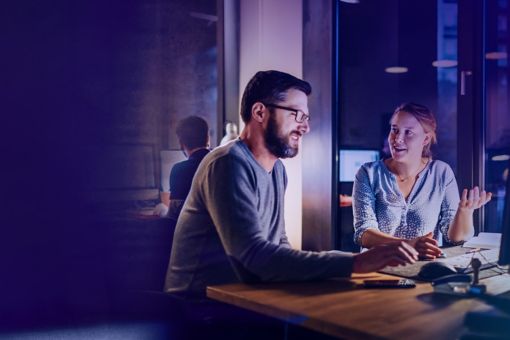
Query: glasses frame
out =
(295, 112)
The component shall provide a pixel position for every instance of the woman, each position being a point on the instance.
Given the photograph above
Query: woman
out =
(410, 196)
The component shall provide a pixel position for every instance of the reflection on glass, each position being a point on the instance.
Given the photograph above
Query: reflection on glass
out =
(447, 80)
(407, 51)
(497, 97)
(420, 36)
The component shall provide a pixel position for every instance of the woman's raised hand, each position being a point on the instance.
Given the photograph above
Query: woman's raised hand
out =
(474, 198)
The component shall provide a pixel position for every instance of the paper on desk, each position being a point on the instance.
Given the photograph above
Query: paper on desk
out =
(484, 240)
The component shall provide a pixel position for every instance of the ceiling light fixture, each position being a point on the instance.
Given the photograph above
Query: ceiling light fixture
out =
(396, 69)
(496, 55)
(499, 158)
(444, 63)
(209, 18)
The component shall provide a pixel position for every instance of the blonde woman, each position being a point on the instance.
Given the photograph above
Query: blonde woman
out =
(411, 196)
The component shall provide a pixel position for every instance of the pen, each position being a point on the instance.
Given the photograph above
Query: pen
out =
(475, 250)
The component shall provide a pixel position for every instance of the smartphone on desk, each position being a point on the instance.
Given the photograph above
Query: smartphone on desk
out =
(391, 283)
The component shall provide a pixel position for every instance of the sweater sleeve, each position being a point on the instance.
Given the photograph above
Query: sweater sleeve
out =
(233, 209)
(284, 240)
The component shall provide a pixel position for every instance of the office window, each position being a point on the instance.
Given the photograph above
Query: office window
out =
(497, 115)
(407, 51)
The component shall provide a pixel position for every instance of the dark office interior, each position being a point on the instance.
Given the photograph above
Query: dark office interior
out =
(92, 93)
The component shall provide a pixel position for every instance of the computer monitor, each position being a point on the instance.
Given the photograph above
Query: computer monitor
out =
(352, 159)
(504, 251)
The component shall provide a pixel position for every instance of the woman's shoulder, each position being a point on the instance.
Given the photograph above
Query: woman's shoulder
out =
(374, 165)
(371, 169)
(440, 166)
(440, 169)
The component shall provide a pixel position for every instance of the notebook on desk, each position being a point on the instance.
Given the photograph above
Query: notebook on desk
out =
(484, 240)
(460, 258)
(462, 263)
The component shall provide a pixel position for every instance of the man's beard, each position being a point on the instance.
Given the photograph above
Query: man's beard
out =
(277, 144)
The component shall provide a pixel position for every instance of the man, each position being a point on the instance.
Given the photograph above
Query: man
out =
(232, 225)
(193, 135)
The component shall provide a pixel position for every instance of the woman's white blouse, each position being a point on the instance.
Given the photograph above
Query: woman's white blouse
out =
(379, 204)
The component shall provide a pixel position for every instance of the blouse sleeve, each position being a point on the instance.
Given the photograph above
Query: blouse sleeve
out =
(363, 205)
(449, 205)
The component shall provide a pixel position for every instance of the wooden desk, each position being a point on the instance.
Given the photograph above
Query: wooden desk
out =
(340, 308)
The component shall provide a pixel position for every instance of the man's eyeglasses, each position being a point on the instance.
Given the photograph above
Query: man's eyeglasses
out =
(299, 115)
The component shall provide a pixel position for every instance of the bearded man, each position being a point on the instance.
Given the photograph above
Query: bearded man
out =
(232, 226)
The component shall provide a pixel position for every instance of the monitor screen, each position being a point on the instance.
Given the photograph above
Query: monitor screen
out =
(352, 159)
(504, 251)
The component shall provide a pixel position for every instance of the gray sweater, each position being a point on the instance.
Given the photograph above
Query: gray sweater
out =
(232, 228)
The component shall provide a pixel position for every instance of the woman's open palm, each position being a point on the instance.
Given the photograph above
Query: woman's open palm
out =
(474, 198)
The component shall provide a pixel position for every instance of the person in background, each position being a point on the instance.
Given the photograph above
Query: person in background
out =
(411, 196)
(232, 225)
(193, 135)
(230, 133)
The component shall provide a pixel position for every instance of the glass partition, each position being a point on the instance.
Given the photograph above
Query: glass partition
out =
(390, 52)
(497, 114)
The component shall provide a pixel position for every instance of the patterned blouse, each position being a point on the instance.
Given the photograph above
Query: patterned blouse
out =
(379, 204)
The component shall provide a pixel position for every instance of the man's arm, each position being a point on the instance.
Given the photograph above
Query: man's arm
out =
(165, 198)
(390, 254)
(230, 192)
(284, 240)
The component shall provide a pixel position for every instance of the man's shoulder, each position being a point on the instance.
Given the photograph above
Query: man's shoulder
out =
(191, 163)
(181, 166)
(236, 159)
(198, 155)
(279, 167)
(231, 151)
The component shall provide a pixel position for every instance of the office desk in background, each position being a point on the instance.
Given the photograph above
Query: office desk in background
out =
(339, 308)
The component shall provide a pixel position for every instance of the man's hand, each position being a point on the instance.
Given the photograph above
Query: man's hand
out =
(378, 257)
(426, 246)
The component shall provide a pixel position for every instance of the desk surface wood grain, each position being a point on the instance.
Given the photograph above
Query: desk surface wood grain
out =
(342, 308)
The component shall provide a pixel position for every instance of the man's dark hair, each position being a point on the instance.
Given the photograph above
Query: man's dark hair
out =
(193, 132)
(269, 87)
